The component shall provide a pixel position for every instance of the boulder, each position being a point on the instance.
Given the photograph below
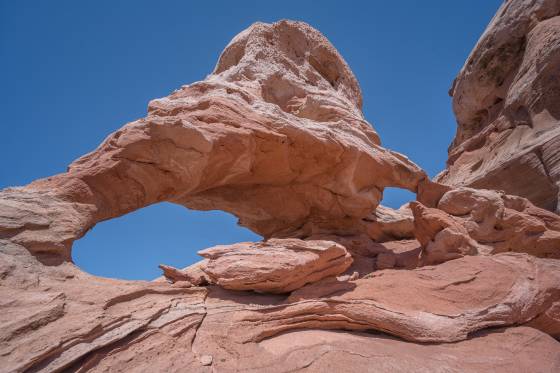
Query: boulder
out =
(274, 266)
(387, 224)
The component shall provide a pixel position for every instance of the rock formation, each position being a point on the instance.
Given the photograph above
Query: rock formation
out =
(507, 103)
(276, 136)
(476, 221)
(274, 266)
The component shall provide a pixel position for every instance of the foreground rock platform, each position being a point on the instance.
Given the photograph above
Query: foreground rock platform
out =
(460, 280)
(275, 136)
(58, 318)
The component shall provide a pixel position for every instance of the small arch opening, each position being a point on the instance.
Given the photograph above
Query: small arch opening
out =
(132, 246)
(396, 197)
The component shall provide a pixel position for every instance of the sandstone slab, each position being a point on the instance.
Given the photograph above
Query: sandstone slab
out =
(192, 274)
(443, 303)
(274, 266)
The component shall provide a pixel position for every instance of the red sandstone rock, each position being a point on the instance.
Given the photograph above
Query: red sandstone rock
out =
(442, 236)
(70, 320)
(274, 266)
(470, 221)
(506, 100)
(430, 304)
(387, 224)
(399, 254)
(276, 136)
(193, 274)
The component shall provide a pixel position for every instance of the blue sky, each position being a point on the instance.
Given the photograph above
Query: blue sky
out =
(72, 72)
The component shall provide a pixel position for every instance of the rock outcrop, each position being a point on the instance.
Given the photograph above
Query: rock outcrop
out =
(387, 224)
(193, 274)
(476, 221)
(444, 303)
(276, 136)
(506, 99)
(274, 266)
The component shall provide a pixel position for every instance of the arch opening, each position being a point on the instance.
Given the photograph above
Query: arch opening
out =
(396, 197)
(132, 246)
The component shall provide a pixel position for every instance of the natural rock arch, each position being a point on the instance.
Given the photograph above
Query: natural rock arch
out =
(303, 163)
(227, 143)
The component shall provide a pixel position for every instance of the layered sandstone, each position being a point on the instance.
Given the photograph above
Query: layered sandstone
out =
(444, 303)
(274, 266)
(276, 136)
(476, 221)
(72, 321)
(506, 100)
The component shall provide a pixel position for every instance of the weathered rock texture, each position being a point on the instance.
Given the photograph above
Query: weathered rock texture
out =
(438, 304)
(274, 266)
(469, 222)
(507, 103)
(193, 274)
(276, 136)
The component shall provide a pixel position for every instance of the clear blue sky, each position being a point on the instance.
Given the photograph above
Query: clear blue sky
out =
(71, 72)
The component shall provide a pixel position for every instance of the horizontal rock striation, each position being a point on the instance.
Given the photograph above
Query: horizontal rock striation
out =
(275, 135)
(461, 280)
(444, 303)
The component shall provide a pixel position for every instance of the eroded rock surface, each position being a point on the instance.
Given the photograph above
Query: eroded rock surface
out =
(192, 274)
(506, 100)
(387, 224)
(274, 266)
(443, 303)
(57, 317)
(471, 221)
(276, 136)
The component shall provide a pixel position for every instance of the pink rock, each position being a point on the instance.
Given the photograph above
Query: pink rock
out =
(506, 99)
(276, 136)
(274, 266)
(193, 274)
(399, 254)
(387, 224)
(470, 221)
(444, 303)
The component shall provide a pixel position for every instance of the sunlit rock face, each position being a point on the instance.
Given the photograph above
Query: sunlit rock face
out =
(276, 136)
(477, 221)
(274, 266)
(507, 103)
